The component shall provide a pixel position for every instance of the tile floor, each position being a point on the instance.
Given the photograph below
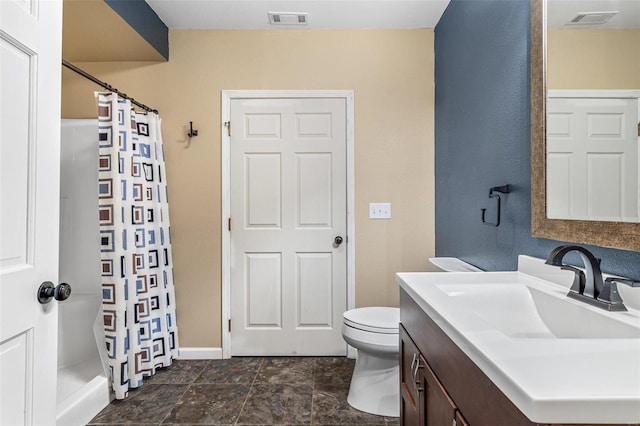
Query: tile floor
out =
(244, 391)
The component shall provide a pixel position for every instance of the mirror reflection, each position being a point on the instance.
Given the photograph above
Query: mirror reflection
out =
(593, 110)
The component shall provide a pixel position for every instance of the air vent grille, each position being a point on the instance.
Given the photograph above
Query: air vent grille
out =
(592, 18)
(288, 18)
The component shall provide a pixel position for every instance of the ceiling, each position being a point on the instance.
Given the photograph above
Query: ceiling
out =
(399, 14)
(322, 14)
(85, 20)
(559, 12)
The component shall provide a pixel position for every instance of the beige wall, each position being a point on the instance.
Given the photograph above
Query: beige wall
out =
(593, 59)
(391, 73)
(84, 25)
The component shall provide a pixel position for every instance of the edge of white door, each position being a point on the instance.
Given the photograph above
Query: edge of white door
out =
(31, 35)
(227, 96)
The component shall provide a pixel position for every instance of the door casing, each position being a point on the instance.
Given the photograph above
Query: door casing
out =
(227, 96)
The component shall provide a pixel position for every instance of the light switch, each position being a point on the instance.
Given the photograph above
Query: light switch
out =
(379, 210)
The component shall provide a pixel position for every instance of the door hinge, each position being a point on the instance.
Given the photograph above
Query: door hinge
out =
(229, 224)
(229, 325)
(638, 128)
(227, 124)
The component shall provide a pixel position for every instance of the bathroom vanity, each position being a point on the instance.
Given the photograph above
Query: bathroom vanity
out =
(507, 348)
(425, 400)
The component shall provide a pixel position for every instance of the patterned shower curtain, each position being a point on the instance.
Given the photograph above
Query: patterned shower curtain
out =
(137, 271)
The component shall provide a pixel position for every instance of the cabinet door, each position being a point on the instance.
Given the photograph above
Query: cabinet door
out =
(409, 394)
(460, 420)
(409, 409)
(439, 409)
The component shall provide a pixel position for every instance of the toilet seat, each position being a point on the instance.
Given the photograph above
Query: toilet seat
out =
(381, 320)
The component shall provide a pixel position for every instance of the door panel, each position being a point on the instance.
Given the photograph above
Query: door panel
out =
(263, 290)
(314, 286)
(14, 171)
(14, 387)
(314, 190)
(288, 184)
(592, 152)
(263, 185)
(30, 47)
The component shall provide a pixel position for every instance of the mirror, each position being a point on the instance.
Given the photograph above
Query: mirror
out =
(593, 89)
(609, 230)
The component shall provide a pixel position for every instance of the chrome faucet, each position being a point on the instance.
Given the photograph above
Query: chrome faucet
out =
(588, 286)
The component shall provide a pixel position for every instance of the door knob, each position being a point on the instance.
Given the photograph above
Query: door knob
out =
(47, 291)
(337, 240)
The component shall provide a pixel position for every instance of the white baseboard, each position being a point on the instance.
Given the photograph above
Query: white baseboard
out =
(200, 353)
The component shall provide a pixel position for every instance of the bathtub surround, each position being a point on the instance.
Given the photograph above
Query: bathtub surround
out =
(83, 386)
(482, 120)
(135, 236)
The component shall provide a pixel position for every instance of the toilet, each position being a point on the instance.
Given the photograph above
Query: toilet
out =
(373, 331)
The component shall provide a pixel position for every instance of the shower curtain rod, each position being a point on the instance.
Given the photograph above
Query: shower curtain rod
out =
(106, 86)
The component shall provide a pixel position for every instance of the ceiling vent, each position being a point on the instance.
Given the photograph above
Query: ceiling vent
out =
(288, 18)
(592, 18)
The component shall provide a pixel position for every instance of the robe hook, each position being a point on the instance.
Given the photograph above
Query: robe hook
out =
(192, 132)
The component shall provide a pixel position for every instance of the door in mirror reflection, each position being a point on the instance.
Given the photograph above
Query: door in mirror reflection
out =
(592, 155)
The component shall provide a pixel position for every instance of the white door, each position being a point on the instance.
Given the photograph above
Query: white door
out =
(592, 159)
(288, 205)
(30, 49)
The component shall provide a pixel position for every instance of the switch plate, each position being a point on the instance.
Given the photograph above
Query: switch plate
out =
(379, 210)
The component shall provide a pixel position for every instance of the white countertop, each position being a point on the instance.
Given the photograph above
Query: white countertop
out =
(550, 377)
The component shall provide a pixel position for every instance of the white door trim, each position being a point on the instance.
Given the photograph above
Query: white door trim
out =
(227, 96)
(593, 94)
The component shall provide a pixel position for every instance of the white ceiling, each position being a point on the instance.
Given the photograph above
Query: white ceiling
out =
(323, 14)
(559, 12)
(402, 14)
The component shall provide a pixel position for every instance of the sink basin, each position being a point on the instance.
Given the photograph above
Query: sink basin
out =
(521, 311)
(559, 360)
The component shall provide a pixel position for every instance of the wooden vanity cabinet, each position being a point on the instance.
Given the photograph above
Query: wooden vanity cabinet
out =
(439, 382)
(409, 394)
(424, 401)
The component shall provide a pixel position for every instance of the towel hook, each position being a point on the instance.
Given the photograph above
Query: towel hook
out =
(192, 132)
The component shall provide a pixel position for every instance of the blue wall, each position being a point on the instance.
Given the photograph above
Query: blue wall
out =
(482, 120)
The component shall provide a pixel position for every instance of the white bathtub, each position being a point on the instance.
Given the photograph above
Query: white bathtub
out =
(83, 388)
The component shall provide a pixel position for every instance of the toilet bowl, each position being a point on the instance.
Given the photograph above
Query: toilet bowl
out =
(373, 331)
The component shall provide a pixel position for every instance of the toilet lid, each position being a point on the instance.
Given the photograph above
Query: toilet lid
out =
(374, 319)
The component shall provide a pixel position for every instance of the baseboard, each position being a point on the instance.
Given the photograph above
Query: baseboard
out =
(200, 353)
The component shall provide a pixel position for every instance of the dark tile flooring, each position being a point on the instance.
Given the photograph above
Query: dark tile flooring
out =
(244, 391)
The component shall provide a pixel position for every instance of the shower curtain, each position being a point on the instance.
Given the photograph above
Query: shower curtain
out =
(137, 271)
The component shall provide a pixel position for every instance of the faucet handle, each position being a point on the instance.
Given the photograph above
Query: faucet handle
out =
(610, 293)
(625, 281)
(579, 280)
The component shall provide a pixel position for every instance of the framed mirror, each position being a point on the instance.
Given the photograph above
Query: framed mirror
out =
(607, 233)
